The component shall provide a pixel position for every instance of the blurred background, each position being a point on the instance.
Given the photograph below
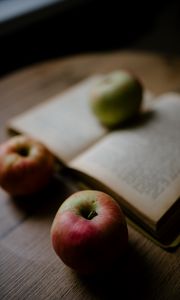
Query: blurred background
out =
(36, 30)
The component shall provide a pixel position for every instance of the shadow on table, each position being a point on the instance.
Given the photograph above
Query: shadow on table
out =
(128, 279)
(46, 202)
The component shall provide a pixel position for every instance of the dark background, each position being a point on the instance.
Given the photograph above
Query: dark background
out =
(89, 26)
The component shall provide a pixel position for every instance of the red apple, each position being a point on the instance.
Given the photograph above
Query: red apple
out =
(26, 165)
(89, 231)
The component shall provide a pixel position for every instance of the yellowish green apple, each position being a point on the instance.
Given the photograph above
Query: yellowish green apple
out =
(116, 98)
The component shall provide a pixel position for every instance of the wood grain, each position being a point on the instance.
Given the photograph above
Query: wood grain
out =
(29, 268)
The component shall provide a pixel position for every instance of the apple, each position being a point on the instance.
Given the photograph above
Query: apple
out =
(26, 165)
(89, 232)
(116, 98)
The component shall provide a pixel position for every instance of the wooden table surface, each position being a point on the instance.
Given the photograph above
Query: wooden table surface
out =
(29, 268)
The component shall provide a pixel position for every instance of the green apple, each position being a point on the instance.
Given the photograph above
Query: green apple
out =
(116, 98)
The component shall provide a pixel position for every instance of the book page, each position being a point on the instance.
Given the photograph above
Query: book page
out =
(141, 163)
(64, 123)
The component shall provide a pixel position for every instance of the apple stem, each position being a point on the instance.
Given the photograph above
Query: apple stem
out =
(92, 214)
(23, 151)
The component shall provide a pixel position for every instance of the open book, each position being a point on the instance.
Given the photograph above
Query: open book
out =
(139, 165)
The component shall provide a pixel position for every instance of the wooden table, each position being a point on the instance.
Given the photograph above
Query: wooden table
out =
(29, 268)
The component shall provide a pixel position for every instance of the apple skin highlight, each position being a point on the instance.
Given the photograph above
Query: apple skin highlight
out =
(89, 232)
(26, 165)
